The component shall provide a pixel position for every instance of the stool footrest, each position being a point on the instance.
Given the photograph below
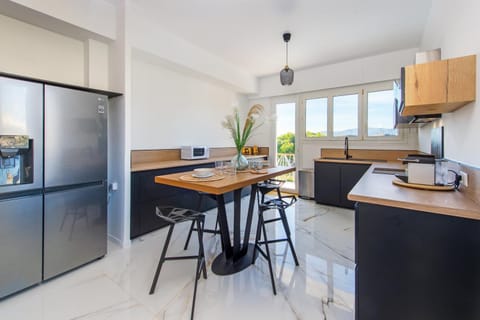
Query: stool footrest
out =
(273, 241)
(181, 258)
(207, 231)
(272, 220)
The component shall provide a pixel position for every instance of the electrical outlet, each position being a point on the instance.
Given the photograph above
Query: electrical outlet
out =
(464, 178)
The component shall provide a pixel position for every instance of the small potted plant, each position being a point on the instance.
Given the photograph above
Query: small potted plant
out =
(240, 137)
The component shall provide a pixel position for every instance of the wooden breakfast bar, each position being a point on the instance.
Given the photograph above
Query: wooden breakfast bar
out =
(239, 255)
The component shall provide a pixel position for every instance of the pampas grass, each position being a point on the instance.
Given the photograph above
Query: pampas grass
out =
(232, 124)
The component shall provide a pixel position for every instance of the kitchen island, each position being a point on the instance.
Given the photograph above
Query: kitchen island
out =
(417, 252)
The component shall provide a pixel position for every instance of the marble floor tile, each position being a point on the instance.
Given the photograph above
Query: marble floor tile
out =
(116, 287)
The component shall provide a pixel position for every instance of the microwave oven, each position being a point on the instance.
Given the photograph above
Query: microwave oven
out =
(194, 152)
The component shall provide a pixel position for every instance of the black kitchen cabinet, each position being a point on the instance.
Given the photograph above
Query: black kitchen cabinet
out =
(415, 265)
(333, 182)
(350, 174)
(146, 195)
(327, 183)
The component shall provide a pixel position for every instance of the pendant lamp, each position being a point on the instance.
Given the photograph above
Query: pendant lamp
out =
(286, 75)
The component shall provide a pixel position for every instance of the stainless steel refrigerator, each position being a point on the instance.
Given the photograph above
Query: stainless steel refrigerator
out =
(21, 184)
(75, 208)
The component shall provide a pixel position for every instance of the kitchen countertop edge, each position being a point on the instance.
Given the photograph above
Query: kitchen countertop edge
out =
(378, 189)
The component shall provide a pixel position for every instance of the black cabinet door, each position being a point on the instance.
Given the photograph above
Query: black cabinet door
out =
(350, 174)
(416, 265)
(327, 183)
(146, 195)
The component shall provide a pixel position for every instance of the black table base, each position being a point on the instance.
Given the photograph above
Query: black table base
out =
(224, 266)
(238, 255)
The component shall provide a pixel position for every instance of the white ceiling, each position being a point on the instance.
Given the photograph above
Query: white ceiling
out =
(248, 33)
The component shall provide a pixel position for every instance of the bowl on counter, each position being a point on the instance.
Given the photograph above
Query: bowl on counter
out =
(203, 172)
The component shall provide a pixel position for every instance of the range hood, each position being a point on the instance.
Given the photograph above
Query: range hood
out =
(425, 118)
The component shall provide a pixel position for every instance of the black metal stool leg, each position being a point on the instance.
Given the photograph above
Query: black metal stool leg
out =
(189, 235)
(267, 251)
(257, 237)
(201, 252)
(278, 193)
(162, 259)
(199, 205)
(283, 217)
(201, 268)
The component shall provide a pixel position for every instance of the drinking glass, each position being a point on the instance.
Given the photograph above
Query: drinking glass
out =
(230, 168)
(219, 168)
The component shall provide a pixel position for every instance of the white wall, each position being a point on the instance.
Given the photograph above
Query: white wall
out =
(360, 71)
(454, 26)
(97, 16)
(171, 108)
(31, 51)
(148, 36)
(97, 64)
(370, 69)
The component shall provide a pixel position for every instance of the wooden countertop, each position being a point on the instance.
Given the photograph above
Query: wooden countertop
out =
(227, 184)
(164, 164)
(378, 189)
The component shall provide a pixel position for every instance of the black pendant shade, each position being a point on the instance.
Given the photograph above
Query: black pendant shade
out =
(286, 75)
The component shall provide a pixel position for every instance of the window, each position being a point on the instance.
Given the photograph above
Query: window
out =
(316, 117)
(363, 112)
(380, 114)
(345, 115)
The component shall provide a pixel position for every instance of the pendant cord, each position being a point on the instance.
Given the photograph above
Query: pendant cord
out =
(286, 60)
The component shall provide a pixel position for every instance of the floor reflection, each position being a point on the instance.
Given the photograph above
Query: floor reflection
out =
(116, 287)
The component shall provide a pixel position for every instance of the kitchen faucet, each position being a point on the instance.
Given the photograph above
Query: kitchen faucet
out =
(345, 149)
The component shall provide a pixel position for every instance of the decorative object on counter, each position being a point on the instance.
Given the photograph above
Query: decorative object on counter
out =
(247, 150)
(240, 137)
(423, 186)
(255, 150)
(286, 75)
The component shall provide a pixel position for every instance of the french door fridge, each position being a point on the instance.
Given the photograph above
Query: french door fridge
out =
(75, 211)
(21, 184)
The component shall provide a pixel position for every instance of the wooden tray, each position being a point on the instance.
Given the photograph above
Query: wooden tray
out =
(399, 182)
(261, 171)
(190, 178)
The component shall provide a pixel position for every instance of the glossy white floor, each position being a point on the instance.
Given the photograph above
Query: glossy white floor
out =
(116, 287)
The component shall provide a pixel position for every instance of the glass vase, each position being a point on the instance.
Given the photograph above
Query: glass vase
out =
(241, 163)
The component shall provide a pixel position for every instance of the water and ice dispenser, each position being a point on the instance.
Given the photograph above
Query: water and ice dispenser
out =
(16, 159)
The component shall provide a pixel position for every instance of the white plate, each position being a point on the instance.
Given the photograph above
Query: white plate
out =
(204, 176)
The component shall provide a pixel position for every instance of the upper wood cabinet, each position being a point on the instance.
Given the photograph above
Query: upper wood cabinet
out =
(439, 86)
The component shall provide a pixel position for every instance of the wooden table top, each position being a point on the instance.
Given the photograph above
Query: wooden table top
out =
(227, 184)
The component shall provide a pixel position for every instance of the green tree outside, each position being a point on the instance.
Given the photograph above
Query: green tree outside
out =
(286, 143)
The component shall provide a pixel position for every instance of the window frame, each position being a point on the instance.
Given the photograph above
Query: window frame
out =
(362, 120)
(374, 87)
(304, 116)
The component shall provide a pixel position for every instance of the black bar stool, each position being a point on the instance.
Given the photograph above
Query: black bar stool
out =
(279, 204)
(173, 216)
(192, 226)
